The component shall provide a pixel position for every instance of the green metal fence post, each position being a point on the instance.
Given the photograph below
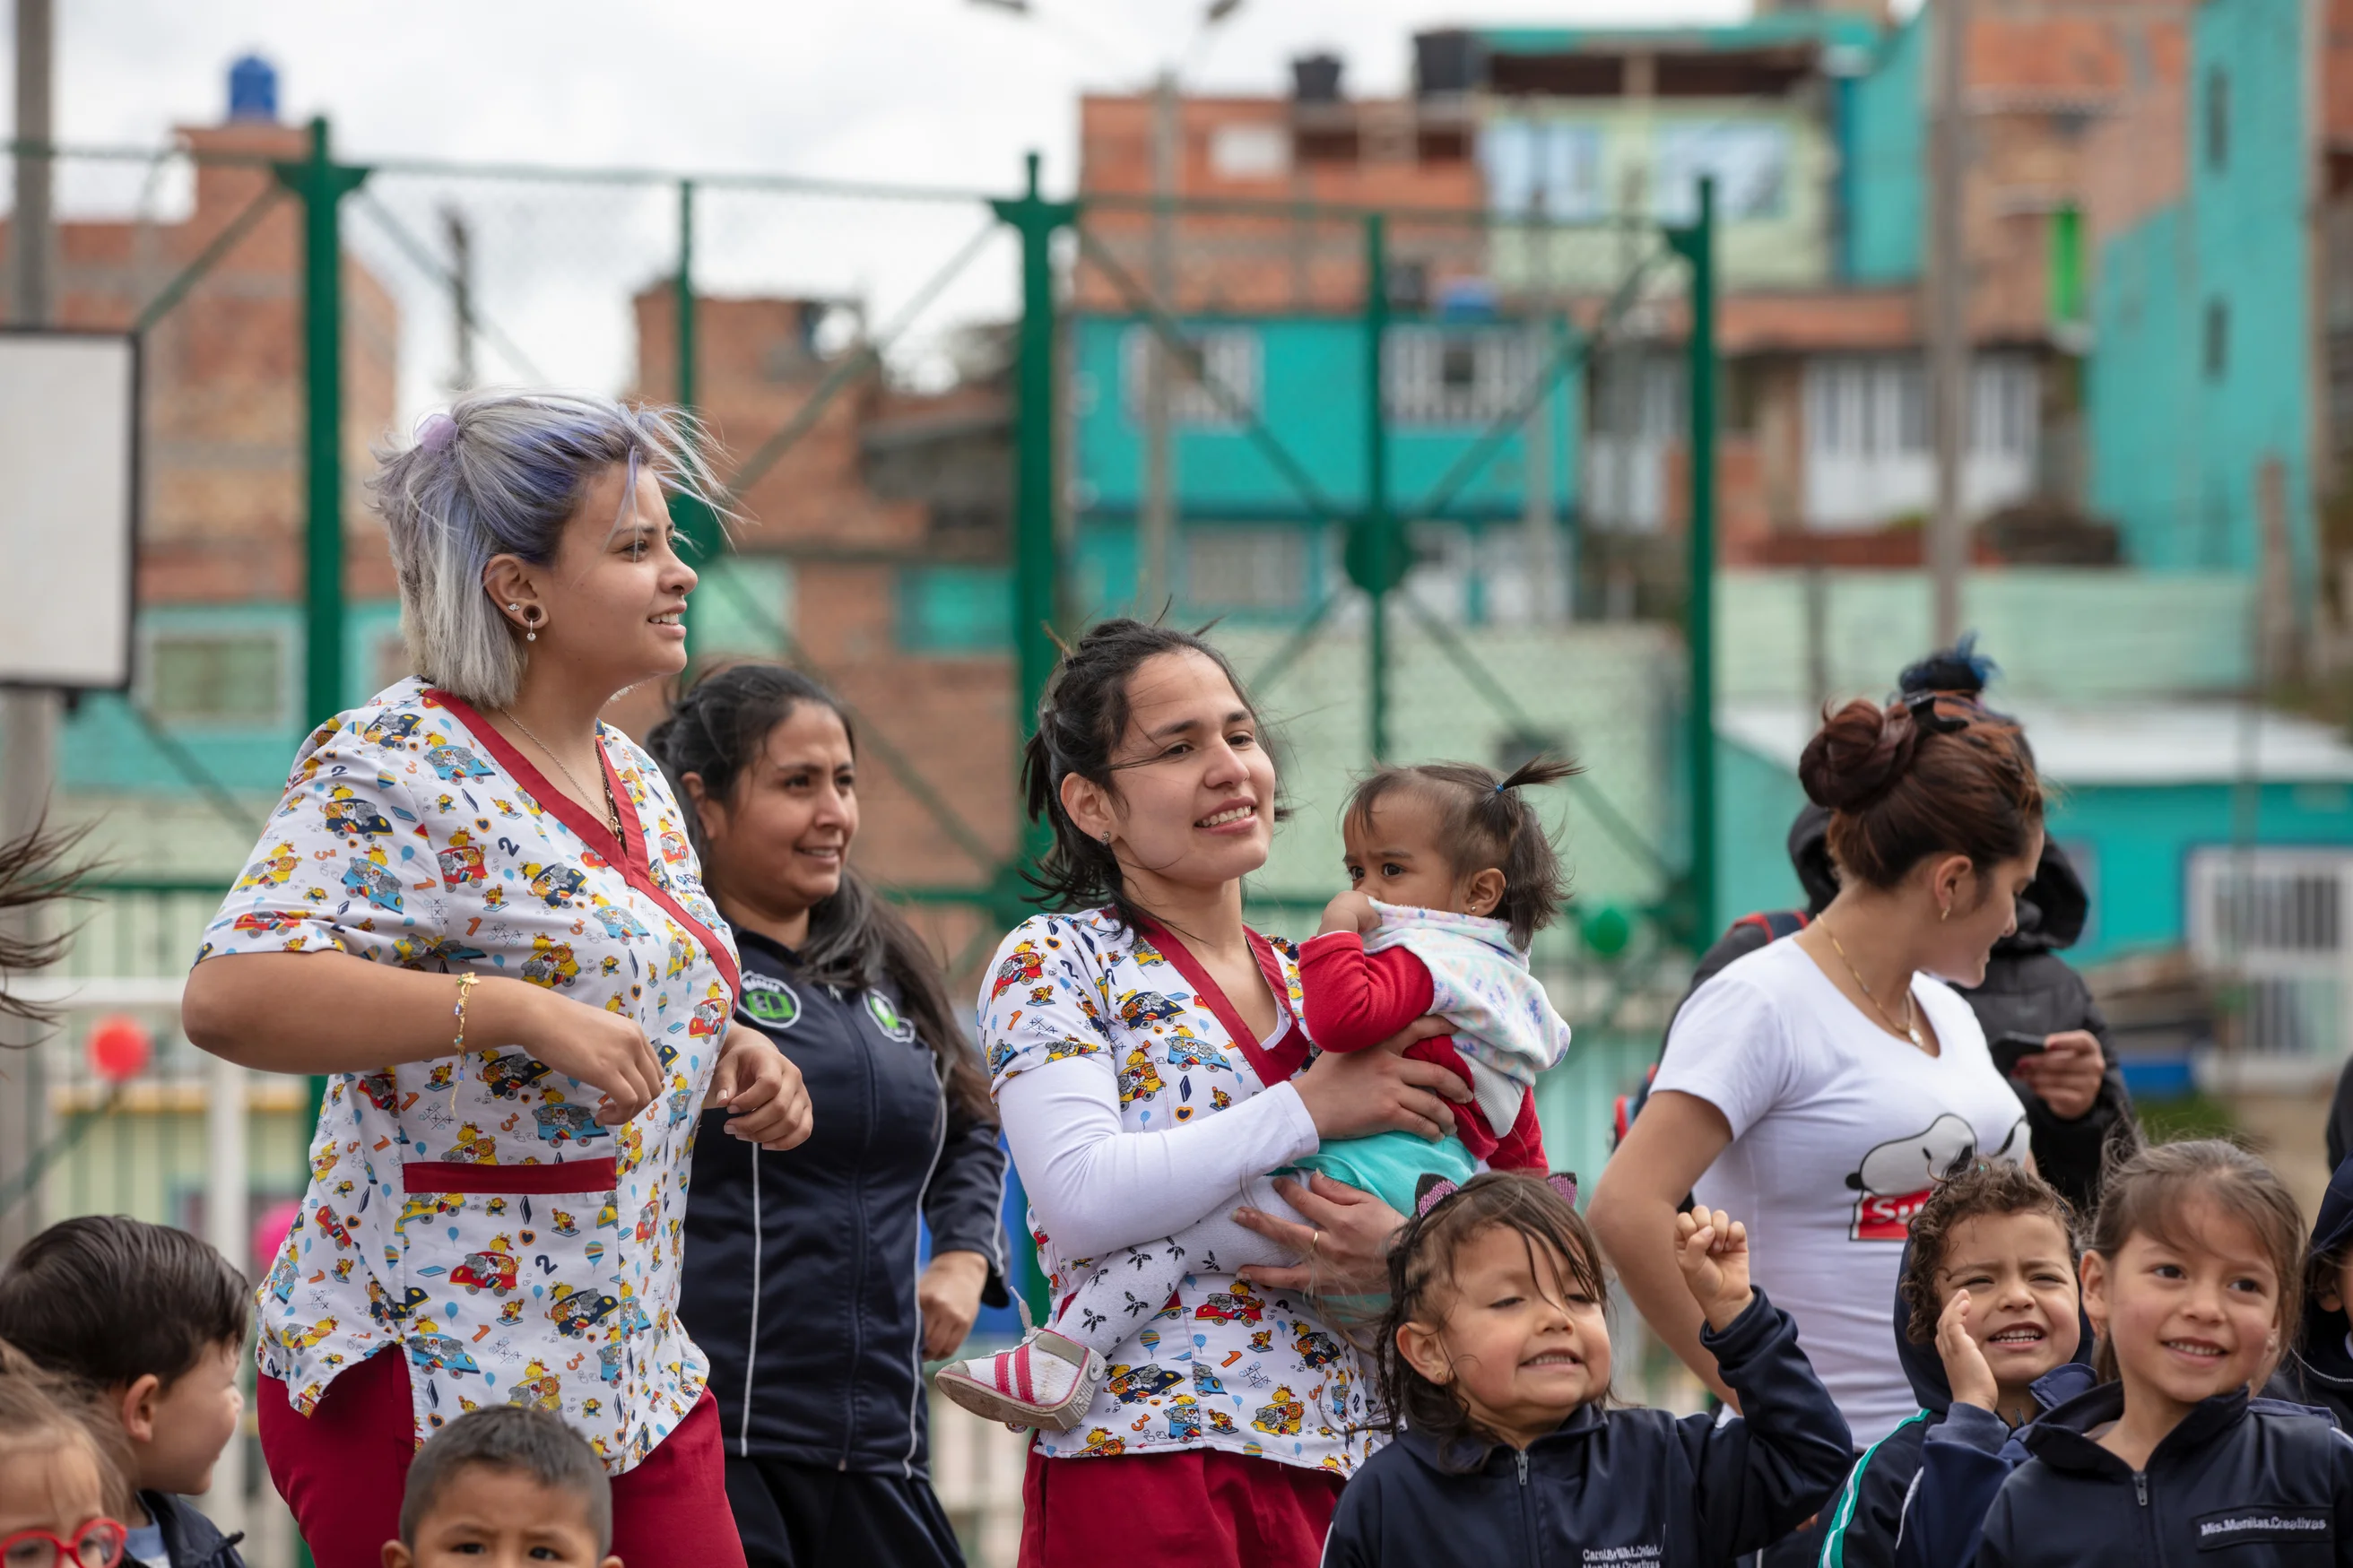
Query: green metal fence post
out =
(1381, 564)
(1696, 244)
(322, 183)
(695, 521)
(1037, 553)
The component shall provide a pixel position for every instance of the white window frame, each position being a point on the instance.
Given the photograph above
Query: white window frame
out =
(1413, 372)
(2296, 966)
(1232, 356)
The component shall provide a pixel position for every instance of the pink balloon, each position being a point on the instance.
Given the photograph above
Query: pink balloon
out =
(119, 1048)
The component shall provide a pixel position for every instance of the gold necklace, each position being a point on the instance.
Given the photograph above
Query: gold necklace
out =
(1910, 1027)
(612, 812)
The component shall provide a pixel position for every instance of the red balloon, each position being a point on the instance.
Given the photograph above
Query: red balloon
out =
(119, 1048)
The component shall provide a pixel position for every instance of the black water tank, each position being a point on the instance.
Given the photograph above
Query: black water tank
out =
(1445, 63)
(1315, 79)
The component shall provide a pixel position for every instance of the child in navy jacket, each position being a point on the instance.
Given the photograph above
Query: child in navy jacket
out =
(2194, 1273)
(1495, 1365)
(1990, 1332)
(2320, 1373)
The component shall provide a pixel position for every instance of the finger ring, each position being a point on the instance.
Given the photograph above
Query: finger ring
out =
(1314, 1237)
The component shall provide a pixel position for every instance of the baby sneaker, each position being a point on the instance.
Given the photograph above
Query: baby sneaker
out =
(1048, 1380)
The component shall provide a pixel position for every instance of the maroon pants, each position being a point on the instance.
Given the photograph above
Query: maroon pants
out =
(343, 1467)
(1196, 1506)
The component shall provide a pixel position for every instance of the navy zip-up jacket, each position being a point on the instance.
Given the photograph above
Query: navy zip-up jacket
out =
(801, 1266)
(2321, 1370)
(2242, 1482)
(190, 1540)
(1640, 1488)
(1917, 1495)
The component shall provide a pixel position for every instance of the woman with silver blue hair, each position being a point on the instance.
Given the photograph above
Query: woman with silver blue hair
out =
(479, 910)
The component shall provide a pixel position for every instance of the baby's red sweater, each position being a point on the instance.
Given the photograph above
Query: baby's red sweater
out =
(1357, 999)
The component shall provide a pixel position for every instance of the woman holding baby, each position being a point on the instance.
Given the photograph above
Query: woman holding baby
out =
(1147, 1056)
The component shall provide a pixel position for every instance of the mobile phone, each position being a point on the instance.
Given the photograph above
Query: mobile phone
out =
(2011, 1048)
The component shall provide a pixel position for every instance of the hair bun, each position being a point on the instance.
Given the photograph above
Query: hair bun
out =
(1858, 754)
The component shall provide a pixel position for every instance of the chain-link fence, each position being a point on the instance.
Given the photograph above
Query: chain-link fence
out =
(1418, 467)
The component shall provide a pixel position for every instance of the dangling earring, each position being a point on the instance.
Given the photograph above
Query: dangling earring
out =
(1946, 915)
(531, 626)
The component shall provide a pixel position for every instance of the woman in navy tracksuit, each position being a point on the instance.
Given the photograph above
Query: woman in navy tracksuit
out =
(804, 1284)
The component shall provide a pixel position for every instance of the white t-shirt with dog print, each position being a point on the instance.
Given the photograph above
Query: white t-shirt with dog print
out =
(1839, 1130)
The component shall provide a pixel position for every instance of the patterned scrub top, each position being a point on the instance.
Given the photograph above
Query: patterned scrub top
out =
(1222, 1366)
(469, 1210)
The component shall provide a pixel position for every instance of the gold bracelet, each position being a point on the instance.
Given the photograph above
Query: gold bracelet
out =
(465, 984)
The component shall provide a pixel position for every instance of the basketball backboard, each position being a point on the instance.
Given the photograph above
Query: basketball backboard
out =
(69, 507)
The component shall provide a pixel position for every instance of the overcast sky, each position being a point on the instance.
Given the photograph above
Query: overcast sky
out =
(942, 91)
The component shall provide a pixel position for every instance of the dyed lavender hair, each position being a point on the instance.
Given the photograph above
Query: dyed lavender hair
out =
(503, 484)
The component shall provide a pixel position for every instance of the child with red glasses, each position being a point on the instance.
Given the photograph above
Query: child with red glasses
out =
(54, 1478)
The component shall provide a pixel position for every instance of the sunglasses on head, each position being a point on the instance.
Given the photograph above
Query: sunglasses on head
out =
(98, 1545)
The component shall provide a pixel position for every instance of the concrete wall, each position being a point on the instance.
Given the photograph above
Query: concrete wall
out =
(2058, 633)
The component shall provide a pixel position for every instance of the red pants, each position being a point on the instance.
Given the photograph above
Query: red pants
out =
(1199, 1505)
(341, 1470)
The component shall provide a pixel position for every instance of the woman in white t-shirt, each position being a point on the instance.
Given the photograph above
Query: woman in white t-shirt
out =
(1818, 1087)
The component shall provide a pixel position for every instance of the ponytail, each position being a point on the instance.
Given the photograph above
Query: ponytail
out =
(1487, 823)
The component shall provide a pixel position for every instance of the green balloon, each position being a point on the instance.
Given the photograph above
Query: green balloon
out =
(1607, 931)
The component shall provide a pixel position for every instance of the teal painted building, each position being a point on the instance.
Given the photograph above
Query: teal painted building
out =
(2200, 386)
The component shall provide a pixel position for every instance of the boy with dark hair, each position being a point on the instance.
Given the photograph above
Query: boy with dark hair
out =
(512, 1483)
(155, 1321)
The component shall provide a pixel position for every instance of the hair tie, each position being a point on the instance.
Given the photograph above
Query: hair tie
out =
(1922, 706)
(436, 431)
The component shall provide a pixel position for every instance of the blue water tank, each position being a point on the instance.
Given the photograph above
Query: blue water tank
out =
(253, 90)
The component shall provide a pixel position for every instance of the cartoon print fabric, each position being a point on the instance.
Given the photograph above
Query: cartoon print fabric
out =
(470, 1210)
(1218, 1364)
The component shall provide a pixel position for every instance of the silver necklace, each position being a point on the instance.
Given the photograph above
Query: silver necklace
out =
(1910, 1025)
(612, 812)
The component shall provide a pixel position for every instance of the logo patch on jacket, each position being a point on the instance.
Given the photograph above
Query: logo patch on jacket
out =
(2246, 1526)
(887, 1018)
(771, 1002)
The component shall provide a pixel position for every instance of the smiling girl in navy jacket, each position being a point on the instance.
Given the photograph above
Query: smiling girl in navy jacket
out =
(2194, 1271)
(1496, 1365)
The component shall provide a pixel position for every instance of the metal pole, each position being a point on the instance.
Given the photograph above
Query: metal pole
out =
(1949, 352)
(1158, 511)
(1545, 574)
(1380, 529)
(1036, 550)
(29, 761)
(322, 183)
(1696, 244)
(693, 521)
(1037, 554)
(461, 295)
(322, 343)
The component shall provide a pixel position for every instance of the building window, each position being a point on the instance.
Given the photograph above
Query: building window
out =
(2217, 119)
(1242, 568)
(1249, 151)
(2273, 922)
(2218, 339)
(1437, 376)
(1536, 169)
(225, 678)
(1229, 359)
(1749, 163)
